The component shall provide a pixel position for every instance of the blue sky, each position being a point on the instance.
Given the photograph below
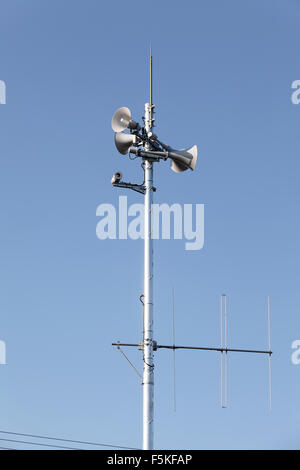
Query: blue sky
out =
(222, 80)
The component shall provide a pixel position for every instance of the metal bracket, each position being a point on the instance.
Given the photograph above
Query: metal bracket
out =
(125, 357)
(139, 188)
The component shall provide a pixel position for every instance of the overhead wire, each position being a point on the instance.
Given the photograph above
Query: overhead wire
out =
(37, 436)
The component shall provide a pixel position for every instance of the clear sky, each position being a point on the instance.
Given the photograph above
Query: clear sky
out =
(222, 80)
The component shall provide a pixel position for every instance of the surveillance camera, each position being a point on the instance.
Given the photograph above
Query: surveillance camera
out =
(116, 177)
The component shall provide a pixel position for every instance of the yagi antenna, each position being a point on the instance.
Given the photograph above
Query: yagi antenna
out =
(223, 349)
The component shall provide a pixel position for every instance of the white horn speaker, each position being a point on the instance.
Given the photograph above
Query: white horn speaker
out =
(184, 159)
(121, 120)
(123, 142)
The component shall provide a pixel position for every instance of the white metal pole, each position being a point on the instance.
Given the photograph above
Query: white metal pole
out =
(148, 373)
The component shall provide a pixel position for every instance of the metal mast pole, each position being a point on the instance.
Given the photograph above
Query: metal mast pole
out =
(148, 373)
(143, 143)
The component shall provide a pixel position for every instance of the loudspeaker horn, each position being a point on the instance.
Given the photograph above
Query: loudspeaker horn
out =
(123, 142)
(183, 159)
(121, 120)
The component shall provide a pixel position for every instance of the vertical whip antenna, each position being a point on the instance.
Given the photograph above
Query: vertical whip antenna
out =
(173, 338)
(224, 347)
(226, 356)
(221, 346)
(151, 89)
(269, 345)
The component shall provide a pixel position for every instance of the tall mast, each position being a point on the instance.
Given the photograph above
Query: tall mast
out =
(141, 142)
(148, 359)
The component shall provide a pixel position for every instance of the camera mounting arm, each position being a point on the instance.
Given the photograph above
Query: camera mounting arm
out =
(139, 188)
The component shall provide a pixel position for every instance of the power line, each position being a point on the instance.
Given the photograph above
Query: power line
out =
(67, 440)
(39, 444)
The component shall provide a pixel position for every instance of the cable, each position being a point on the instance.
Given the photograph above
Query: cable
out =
(132, 158)
(67, 440)
(39, 444)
